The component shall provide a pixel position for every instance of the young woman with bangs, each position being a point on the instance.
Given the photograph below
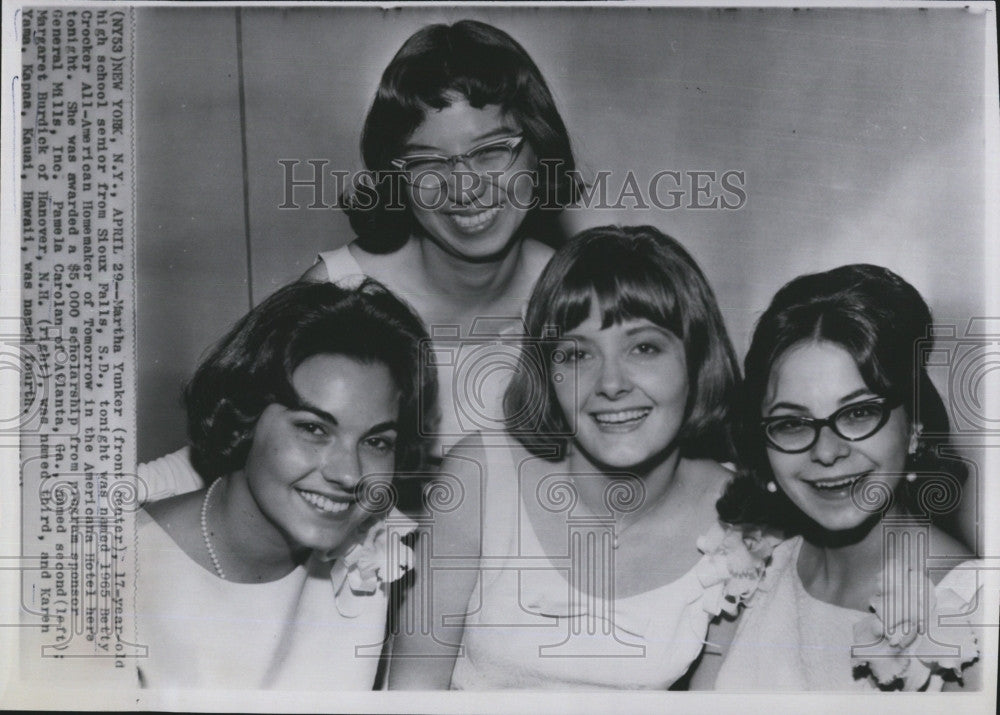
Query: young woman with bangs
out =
(572, 559)
(472, 167)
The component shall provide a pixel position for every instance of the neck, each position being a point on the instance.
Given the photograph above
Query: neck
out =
(660, 477)
(250, 548)
(472, 282)
(846, 561)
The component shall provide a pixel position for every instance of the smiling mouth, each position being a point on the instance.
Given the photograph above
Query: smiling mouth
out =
(324, 504)
(475, 222)
(837, 486)
(620, 420)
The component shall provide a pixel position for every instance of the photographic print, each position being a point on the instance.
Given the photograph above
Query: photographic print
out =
(534, 353)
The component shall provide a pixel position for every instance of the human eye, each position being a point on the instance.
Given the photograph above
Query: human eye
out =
(647, 348)
(493, 150)
(381, 444)
(790, 426)
(425, 163)
(311, 428)
(568, 352)
(862, 413)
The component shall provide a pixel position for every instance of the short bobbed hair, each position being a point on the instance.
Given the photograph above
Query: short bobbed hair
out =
(632, 272)
(252, 367)
(876, 317)
(484, 66)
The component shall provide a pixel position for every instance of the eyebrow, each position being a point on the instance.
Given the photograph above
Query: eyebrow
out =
(501, 132)
(302, 405)
(842, 401)
(383, 427)
(652, 326)
(629, 333)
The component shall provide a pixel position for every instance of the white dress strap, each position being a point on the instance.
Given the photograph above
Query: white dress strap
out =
(341, 265)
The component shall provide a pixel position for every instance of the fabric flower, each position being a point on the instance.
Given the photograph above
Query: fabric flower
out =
(902, 652)
(368, 565)
(734, 562)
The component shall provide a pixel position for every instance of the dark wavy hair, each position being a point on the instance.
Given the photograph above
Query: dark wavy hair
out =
(632, 272)
(252, 366)
(880, 320)
(436, 65)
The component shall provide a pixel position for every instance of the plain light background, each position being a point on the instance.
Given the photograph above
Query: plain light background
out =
(861, 133)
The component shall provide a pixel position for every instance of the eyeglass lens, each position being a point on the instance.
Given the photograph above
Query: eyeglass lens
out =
(853, 423)
(432, 171)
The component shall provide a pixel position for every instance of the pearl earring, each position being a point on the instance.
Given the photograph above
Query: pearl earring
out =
(915, 439)
(772, 487)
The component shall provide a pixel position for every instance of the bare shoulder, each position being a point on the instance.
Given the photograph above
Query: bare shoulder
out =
(469, 445)
(466, 462)
(316, 273)
(713, 476)
(455, 498)
(536, 256)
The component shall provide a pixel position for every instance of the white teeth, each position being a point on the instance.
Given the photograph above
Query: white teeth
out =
(323, 503)
(613, 418)
(834, 486)
(473, 221)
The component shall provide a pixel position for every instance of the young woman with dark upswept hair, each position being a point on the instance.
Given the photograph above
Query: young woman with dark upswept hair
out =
(844, 441)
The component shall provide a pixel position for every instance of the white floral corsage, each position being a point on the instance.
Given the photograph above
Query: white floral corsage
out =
(372, 563)
(904, 654)
(733, 565)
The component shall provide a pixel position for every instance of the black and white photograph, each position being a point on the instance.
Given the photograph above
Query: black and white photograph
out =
(539, 354)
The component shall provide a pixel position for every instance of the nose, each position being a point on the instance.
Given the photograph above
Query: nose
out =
(829, 447)
(613, 381)
(341, 466)
(464, 184)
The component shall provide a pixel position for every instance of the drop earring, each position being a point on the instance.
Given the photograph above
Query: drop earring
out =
(915, 439)
(771, 487)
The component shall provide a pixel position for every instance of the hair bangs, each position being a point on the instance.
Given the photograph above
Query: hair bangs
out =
(453, 65)
(439, 87)
(625, 289)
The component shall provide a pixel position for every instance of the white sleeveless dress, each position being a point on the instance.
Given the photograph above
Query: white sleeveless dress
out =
(305, 631)
(528, 627)
(787, 640)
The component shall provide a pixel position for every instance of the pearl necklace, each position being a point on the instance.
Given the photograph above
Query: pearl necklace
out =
(204, 530)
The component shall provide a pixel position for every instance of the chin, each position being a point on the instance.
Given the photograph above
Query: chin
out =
(323, 541)
(844, 522)
(622, 459)
(482, 248)
(627, 460)
(490, 244)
